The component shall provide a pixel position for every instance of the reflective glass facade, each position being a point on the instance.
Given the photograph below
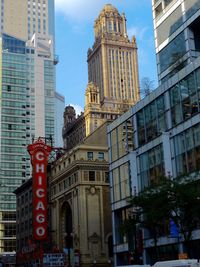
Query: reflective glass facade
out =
(18, 123)
(165, 136)
(176, 25)
(151, 120)
(187, 151)
(17, 71)
(184, 98)
(49, 88)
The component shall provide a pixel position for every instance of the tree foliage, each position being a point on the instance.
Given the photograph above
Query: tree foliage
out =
(176, 199)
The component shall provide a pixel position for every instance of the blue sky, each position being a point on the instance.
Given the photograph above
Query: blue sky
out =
(75, 34)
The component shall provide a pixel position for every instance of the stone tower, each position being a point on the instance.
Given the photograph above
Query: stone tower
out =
(112, 68)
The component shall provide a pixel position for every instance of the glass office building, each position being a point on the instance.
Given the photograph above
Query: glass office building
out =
(26, 112)
(16, 126)
(176, 28)
(27, 95)
(160, 135)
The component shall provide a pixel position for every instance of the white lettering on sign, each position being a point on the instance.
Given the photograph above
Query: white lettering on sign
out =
(40, 180)
(40, 218)
(39, 152)
(40, 231)
(40, 206)
(39, 168)
(39, 156)
(40, 192)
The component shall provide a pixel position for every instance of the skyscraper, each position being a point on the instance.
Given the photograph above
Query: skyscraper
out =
(24, 18)
(27, 89)
(27, 111)
(113, 83)
(177, 37)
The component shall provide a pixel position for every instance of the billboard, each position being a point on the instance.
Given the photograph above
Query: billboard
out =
(39, 153)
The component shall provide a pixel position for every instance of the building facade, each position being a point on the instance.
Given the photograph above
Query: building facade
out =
(176, 25)
(165, 127)
(27, 85)
(73, 131)
(80, 207)
(164, 141)
(27, 110)
(113, 83)
(22, 19)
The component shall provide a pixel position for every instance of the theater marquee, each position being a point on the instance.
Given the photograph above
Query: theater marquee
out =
(39, 152)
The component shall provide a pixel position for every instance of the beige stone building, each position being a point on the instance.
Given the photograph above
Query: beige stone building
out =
(80, 201)
(23, 18)
(113, 82)
(73, 130)
(112, 70)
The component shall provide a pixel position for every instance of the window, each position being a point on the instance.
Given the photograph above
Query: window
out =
(90, 155)
(173, 53)
(101, 156)
(109, 26)
(91, 175)
(107, 177)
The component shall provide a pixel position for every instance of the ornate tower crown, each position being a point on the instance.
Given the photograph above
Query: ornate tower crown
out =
(109, 21)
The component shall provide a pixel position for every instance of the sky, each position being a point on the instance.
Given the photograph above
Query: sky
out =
(74, 24)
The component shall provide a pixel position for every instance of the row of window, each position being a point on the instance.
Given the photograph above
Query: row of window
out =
(152, 120)
(90, 156)
(90, 176)
(121, 184)
(185, 158)
(16, 89)
(122, 140)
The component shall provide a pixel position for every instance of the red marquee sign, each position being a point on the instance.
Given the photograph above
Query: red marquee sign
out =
(39, 152)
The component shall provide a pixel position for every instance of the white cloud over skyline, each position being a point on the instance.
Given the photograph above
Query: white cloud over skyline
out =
(80, 9)
(87, 10)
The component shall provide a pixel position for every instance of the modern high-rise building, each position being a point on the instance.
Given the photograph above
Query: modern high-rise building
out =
(22, 19)
(113, 83)
(177, 37)
(159, 136)
(27, 94)
(27, 111)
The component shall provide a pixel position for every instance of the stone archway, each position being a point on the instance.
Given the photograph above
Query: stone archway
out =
(66, 225)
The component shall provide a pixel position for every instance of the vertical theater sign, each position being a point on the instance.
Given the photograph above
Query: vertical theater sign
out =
(36, 250)
(39, 152)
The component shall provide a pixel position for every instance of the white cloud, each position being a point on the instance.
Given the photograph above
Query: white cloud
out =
(88, 10)
(138, 32)
(78, 108)
(79, 9)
